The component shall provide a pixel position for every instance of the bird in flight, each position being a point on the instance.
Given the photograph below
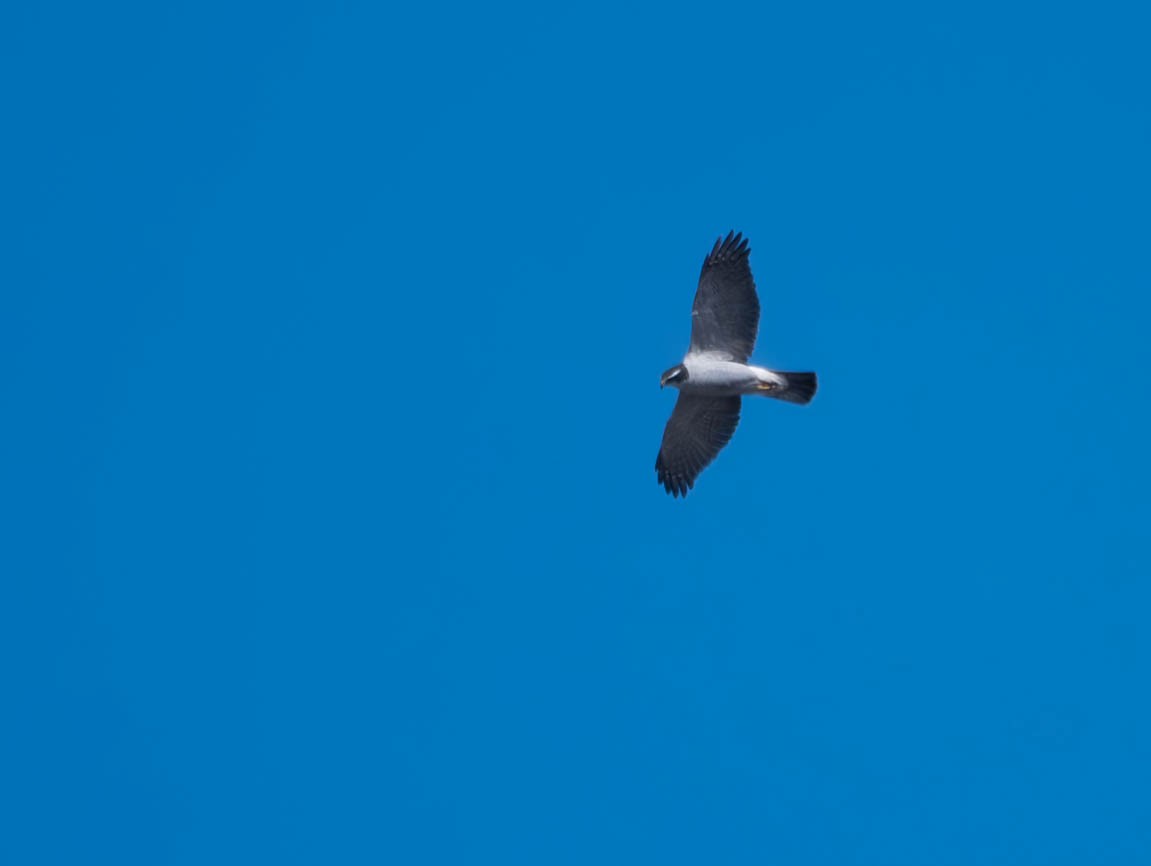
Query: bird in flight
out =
(714, 372)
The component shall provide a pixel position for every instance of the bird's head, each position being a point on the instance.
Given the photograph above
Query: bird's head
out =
(675, 377)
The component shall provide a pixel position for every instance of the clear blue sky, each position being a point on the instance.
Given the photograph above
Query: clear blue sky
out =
(330, 349)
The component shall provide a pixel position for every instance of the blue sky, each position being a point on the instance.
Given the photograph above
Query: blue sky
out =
(331, 339)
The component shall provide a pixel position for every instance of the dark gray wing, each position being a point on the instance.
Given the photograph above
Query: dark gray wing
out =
(698, 428)
(725, 315)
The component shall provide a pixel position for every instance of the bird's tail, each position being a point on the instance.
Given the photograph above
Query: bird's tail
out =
(800, 388)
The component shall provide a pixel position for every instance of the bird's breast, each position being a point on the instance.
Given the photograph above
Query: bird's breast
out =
(717, 377)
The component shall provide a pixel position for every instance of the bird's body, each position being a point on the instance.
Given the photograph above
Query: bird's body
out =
(714, 374)
(719, 377)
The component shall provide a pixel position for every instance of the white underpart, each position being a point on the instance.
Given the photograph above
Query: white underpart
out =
(708, 374)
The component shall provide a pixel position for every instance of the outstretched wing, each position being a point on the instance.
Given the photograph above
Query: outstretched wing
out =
(698, 429)
(725, 315)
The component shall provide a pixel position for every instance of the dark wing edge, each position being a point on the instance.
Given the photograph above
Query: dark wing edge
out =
(696, 432)
(725, 313)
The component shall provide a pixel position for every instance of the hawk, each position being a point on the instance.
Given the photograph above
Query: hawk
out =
(714, 373)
